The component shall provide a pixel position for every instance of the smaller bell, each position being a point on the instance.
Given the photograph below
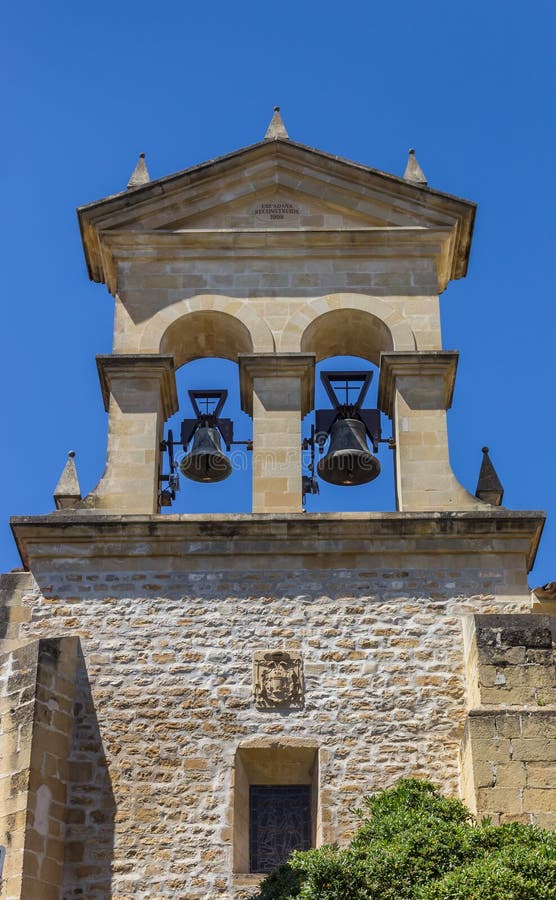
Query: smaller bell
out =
(348, 461)
(206, 462)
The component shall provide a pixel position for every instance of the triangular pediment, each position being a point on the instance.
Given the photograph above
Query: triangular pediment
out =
(276, 207)
(275, 185)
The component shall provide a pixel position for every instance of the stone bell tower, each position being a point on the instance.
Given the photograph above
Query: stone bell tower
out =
(186, 698)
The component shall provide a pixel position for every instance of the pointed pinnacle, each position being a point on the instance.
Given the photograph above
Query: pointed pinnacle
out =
(413, 171)
(276, 129)
(140, 174)
(489, 486)
(67, 492)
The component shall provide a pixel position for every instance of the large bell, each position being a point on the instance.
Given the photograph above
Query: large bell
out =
(348, 460)
(206, 462)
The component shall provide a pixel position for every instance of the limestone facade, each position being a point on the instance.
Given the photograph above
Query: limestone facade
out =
(155, 667)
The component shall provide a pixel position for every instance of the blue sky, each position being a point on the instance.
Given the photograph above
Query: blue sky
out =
(88, 87)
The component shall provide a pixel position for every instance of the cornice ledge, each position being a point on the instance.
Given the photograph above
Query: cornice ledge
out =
(430, 239)
(89, 534)
(277, 365)
(140, 365)
(415, 363)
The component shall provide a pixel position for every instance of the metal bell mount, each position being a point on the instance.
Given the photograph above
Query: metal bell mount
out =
(349, 461)
(206, 461)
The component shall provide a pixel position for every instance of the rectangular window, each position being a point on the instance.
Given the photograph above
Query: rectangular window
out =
(276, 803)
(279, 822)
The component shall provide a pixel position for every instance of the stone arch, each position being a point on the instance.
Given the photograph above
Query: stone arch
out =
(207, 326)
(347, 325)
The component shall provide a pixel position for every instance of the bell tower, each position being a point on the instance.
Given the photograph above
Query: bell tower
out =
(199, 694)
(230, 261)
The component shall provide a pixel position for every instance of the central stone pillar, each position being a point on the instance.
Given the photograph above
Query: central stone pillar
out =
(139, 392)
(415, 390)
(277, 390)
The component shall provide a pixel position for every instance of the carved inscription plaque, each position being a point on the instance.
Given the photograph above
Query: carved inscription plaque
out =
(273, 212)
(277, 679)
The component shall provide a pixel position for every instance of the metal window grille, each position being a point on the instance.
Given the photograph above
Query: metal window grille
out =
(279, 822)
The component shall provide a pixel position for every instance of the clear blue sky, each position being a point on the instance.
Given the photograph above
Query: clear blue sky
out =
(86, 87)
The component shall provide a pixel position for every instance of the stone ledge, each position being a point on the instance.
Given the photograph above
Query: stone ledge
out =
(394, 365)
(322, 536)
(140, 365)
(502, 709)
(277, 365)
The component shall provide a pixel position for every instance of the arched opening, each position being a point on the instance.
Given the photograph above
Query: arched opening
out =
(350, 339)
(202, 334)
(377, 495)
(347, 332)
(234, 493)
(205, 345)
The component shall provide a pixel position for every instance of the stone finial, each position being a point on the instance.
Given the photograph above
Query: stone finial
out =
(276, 129)
(140, 174)
(67, 492)
(489, 486)
(413, 171)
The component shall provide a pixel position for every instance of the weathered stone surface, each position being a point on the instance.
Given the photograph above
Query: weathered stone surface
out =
(171, 613)
(509, 765)
(511, 661)
(36, 697)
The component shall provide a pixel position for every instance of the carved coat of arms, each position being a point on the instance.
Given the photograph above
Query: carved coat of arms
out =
(277, 679)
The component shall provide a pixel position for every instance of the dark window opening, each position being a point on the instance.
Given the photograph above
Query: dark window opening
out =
(279, 822)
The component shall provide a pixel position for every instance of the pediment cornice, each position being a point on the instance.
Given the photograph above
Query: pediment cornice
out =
(186, 201)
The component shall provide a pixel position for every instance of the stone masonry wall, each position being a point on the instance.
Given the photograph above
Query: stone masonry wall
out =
(277, 289)
(18, 676)
(36, 707)
(509, 747)
(165, 701)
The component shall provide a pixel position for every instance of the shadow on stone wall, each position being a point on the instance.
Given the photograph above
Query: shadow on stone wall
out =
(91, 809)
(13, 586)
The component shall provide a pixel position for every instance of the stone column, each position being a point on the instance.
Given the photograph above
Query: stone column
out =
(277, 390)
(139, 392)
(415, 390)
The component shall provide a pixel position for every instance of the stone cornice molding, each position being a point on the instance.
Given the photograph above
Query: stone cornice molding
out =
(196, 243)
(140, 365)
(271, 163)
(67, 541)
(277, 365)
(415, 363)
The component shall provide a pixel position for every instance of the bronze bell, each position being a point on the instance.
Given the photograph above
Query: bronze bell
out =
(206, 462)
(348, 460)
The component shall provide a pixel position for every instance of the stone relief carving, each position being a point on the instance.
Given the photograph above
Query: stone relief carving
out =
(277, 679)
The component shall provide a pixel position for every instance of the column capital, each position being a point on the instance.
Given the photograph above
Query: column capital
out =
(140, 365)
(277, 365)
(414, 363)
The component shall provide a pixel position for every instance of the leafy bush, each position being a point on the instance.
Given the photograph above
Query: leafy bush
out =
(414, 844)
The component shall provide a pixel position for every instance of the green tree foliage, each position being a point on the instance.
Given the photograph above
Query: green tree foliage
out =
(414, 844)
